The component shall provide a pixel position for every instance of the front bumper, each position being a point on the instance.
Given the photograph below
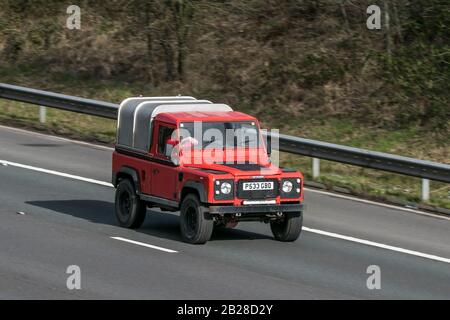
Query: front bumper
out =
(286, 208)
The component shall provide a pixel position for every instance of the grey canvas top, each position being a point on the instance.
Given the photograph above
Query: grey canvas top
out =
(127, 107)
(135, 116)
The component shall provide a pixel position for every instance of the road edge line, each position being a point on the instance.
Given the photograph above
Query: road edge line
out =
(378, 245)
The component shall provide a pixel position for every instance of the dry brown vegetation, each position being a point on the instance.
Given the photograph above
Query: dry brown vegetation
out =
(282, 59)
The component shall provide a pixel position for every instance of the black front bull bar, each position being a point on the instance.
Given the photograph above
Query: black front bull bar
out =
(286, 208)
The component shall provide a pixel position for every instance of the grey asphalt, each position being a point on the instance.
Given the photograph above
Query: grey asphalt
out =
(69, 222)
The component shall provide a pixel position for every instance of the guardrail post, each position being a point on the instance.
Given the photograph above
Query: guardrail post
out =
(315, 167)
(425, 190)
(42, 114)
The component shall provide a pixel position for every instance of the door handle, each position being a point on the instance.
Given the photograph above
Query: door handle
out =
(155, 171)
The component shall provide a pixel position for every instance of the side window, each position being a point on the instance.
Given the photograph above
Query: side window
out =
(164, 134)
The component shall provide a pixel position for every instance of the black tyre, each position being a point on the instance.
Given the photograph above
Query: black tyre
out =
(195, 227)
(130, 210)
(288, 229)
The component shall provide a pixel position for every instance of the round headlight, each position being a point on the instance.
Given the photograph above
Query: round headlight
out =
(287, 186)
(225, 188)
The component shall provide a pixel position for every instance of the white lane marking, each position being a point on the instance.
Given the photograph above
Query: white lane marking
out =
(56, 138)
(144, 244)
(380, 204)
(306, 188)
(378, 245)
(325, 233)
(56, 173)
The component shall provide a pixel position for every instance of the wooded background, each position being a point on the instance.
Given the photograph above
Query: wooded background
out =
(281, 58)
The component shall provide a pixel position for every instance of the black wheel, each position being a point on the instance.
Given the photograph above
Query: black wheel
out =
(195, 227)
(288, 228)
(130, 210)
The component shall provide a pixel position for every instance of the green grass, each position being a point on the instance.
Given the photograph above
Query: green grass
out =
(59, 122)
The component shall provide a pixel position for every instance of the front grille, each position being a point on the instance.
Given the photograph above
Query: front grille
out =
(257, 194)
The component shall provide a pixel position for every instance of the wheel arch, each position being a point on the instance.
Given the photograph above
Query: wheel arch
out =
(128, 173)
(196, 188)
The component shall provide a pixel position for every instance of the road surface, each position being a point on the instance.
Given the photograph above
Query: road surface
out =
(57, 210)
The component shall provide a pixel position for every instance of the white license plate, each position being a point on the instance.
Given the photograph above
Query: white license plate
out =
(264, 185)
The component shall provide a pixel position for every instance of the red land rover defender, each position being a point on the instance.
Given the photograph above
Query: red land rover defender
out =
(205, 160)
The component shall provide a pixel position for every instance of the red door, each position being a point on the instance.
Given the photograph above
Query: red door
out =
(164, 173)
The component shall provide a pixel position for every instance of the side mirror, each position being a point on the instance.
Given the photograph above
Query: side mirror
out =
(170, 144)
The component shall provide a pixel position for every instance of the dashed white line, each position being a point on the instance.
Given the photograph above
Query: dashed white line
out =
(55, 173)
(144, 244)
(317, 231)
(378, 245)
